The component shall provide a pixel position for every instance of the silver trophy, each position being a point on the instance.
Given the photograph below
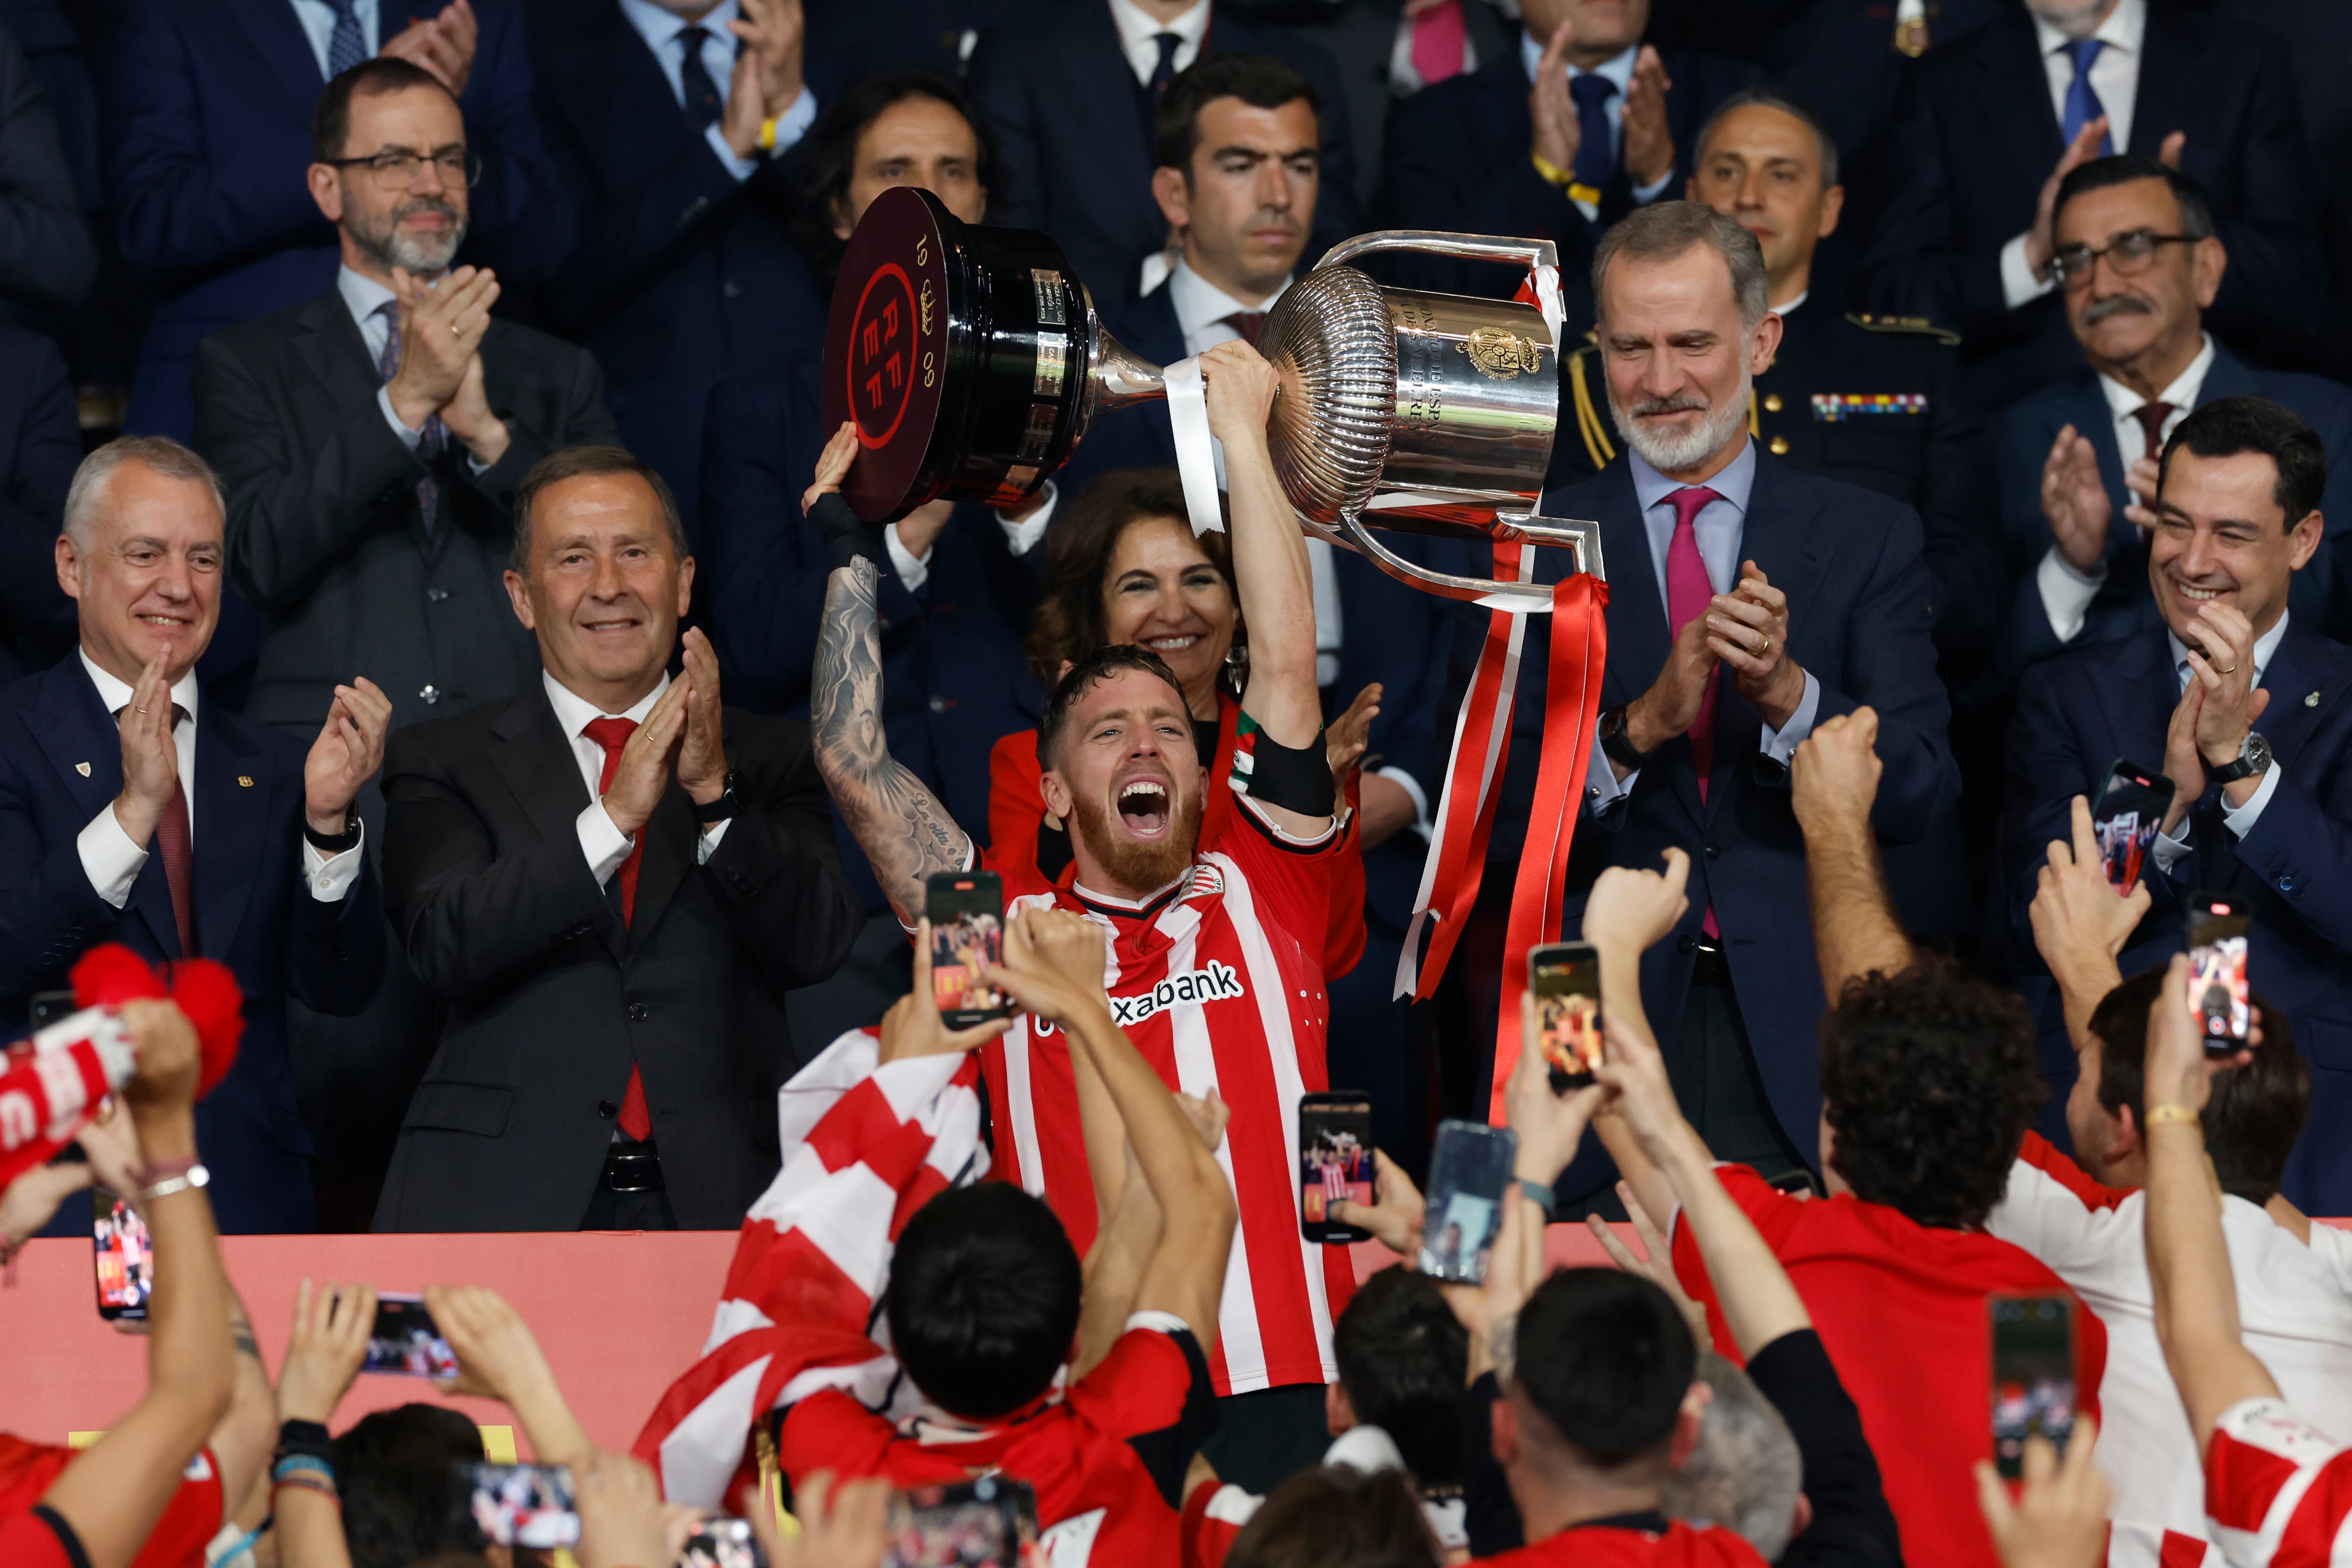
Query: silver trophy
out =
(973, 362)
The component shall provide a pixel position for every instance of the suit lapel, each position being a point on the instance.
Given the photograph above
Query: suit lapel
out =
(536, 760)
(277, 34)
(2298, 671)
(1779, 537)
(74, 729)
(2170, 91)
(232, 830)
(2138, 702)
(2227, 376)
(2016, 95)
(1101, 91)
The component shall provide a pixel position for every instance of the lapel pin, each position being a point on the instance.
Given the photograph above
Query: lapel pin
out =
(82, 768)
(245, 781)
(2311, 701)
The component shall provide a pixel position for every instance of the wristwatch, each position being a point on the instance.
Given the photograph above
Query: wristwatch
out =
(1618, 745)
(2253, 758)
(721, 808)
(334, 843)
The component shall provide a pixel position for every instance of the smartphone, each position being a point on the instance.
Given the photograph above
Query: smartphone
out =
(123, 1256)
(988, 1522)
(405, 1342)
(49, 1007)
(722, 1542)
(1566, 980)
(2032, 1375)
(966, 909)
(2125, 817)
(524, 1505)
(1335, 1161)
(1469, 1172)
(2219, 998)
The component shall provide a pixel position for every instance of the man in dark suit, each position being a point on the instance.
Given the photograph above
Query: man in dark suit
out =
(2141, 265)
(610, 881)
(1578, 126)
(665, 119)
(1748, 601)
(40, 446)
(2245, 704)
(1992, 124)
(1072, 93)
(208, 111)
(134, 809)
(47, 259)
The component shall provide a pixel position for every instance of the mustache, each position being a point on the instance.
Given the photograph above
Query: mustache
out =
(2116, 305)
(415, 204)
(1681, 402)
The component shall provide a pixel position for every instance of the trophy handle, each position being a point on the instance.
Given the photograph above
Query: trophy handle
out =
(1519, 598)
(1525, 253)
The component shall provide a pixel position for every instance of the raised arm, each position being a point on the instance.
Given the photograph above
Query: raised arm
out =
(1832, 780)
(2079, 923)
(906, 834)
(1270, 569)
(1627, 913)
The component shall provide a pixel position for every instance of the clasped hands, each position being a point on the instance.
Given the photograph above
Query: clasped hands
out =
(767, 78)
(681, 737)
(1747, 633)
(442, 324)
(1648, 145)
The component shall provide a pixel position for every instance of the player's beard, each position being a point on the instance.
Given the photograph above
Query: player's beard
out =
(1669, 452)
(1139, 868)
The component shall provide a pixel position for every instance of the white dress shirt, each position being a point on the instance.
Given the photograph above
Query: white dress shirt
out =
(113, 863)
(660, 30)
(317, 19)
(1138, 29)
(604, 845)
(2066, 594)
(1721, 527)
(1021, 535)
(2239, 820)
(1620, 70)
(2114, 76)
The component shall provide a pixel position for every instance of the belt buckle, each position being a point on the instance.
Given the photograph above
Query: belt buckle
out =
(635, 1170)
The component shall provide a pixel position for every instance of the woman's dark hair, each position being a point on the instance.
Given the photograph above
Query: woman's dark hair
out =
(983, 1299)
(827, 158)
(1068, 624)
(1929, 1079)
(1402, 1357)
(1334, 1517)
(402, 1489)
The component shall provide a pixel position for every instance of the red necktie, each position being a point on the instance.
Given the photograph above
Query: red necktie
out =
(1688, 591)
(612, 734)
(2151, 417)
(1437, 38)
(1247, 324)
(174, 844)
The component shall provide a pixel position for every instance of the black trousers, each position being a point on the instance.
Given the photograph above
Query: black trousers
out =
(1264, 1439)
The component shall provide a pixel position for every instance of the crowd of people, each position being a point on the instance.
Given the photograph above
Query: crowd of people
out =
(406, 420)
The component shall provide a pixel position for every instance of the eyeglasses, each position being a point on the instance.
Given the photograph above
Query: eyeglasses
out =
(2128, 253)
(397, 169)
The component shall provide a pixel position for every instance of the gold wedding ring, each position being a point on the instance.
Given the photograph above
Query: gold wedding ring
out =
(2231, 670)
(456, 330)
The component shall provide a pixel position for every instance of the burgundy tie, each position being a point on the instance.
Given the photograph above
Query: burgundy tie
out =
(1688, 591)
(1246, 323)
(612, 734)
(2151, 417)
(173, 841)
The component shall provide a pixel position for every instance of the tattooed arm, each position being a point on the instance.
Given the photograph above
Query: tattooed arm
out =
(906, 834)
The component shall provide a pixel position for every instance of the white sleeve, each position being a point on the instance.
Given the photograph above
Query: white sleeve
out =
(914, 571)
(2333, 1247)
(2066, 594)
(1021, 535)
(2241, 820)
(109, 858)
(2074, 1241)
(2019, 287)
(602, 844)
(328, 877)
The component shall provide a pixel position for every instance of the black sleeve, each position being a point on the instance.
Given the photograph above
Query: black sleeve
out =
(1853, 1527)
(1168, 1453)
(63, 1533)
(1488, 1514)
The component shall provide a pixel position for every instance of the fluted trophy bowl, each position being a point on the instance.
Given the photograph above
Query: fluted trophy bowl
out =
(974, 363)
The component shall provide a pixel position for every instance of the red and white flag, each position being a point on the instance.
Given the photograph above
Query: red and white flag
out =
(864, 1147)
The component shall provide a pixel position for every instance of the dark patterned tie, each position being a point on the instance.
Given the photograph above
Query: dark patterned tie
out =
(1596, 160)
(612, 735)
(436, 434)
(174, 844)
(2151, 417)
(346, 46)
(698, 93)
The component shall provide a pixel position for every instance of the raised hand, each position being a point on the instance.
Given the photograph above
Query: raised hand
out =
(1053, 964)
(1658, 1266)
(1558, 135)
(441, 329)
(775, 33)
(332, 1324)
(2041, 242)
(1345, 738)
(1396, 1219)
(832, 465)
(443, 44)
(1671, 705)
(912, 1027)
(647, 761)
(2060, 1517)
(842, 1526)
(1747, 628)
(621, 1516)
(1239, 392)
(470, 418)
(348, 751)
(2221, 663)
(2076, 916)
(1636, 909)
(1551, 1126)
(150, 758)
(747, 102)
(1833, 776)
(1648, 145)
(2075, 500)
(702, 754)
(170, 1062)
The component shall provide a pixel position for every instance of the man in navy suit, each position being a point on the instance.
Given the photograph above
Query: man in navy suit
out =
(134, 809)
(40, 445)
(1559, 138)
(207, 135)
(1072, 93)
(2139, 263)
(1993, 122)
(2245, 705)
(1748, 601)
(665, 118)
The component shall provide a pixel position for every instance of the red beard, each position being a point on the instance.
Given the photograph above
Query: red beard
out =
(1138, 868)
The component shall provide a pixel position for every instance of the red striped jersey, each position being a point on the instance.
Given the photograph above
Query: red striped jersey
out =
(1218, 981)
(2278, 1492)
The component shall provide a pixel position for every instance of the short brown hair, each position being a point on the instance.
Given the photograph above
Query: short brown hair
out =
(1259, 81)
(1099, 666)
(1068, 624)
(1664, 231)
(1335, 1517)
(331, 118)
(583, 463)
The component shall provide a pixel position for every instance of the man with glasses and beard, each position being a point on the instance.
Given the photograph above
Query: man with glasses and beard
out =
(371, 442)
(2138, 264)
(1748, 601)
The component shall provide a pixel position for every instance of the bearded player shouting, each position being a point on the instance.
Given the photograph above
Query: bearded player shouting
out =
(1216, 957)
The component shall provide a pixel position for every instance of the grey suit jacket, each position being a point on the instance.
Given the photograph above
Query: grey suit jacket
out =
(325, 535)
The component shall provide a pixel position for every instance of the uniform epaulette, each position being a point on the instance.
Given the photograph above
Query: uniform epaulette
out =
(1589, 421)
(1919, 324)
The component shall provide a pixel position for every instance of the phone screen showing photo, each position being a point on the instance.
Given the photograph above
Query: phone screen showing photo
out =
(1335, 1162)
(722, 1542)
(2220, 997)
(1565, 980)
(122, 1255)
(525, 1505)
(405, 1342)
(989, 1522)
(1468, 1174)
(2125, 818)
(966, 910)
(2032, 1375)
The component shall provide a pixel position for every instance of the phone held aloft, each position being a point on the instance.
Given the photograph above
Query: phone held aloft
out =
(524, 1505)
(1469, 1173)
(1564, 977)
(988, 1522)
(2125, 818)
(2220, 997)
(1335, 1162)
(122, 1255)
(406, 1341)
(966, 909)
(2032, 1375)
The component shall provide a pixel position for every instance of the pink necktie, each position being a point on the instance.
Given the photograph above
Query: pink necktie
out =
(1688, 591)
(1437, 39)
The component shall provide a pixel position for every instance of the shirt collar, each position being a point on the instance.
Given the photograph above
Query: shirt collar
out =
(1137, 26)
(2265, 646)
(116, 695)
(1618, 69)
(660, 28)
(2125, 29)
(1199, 302)
(574, 712)
(1802, 295)
(1734, 483)
(363, 295)
(2181, 394)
